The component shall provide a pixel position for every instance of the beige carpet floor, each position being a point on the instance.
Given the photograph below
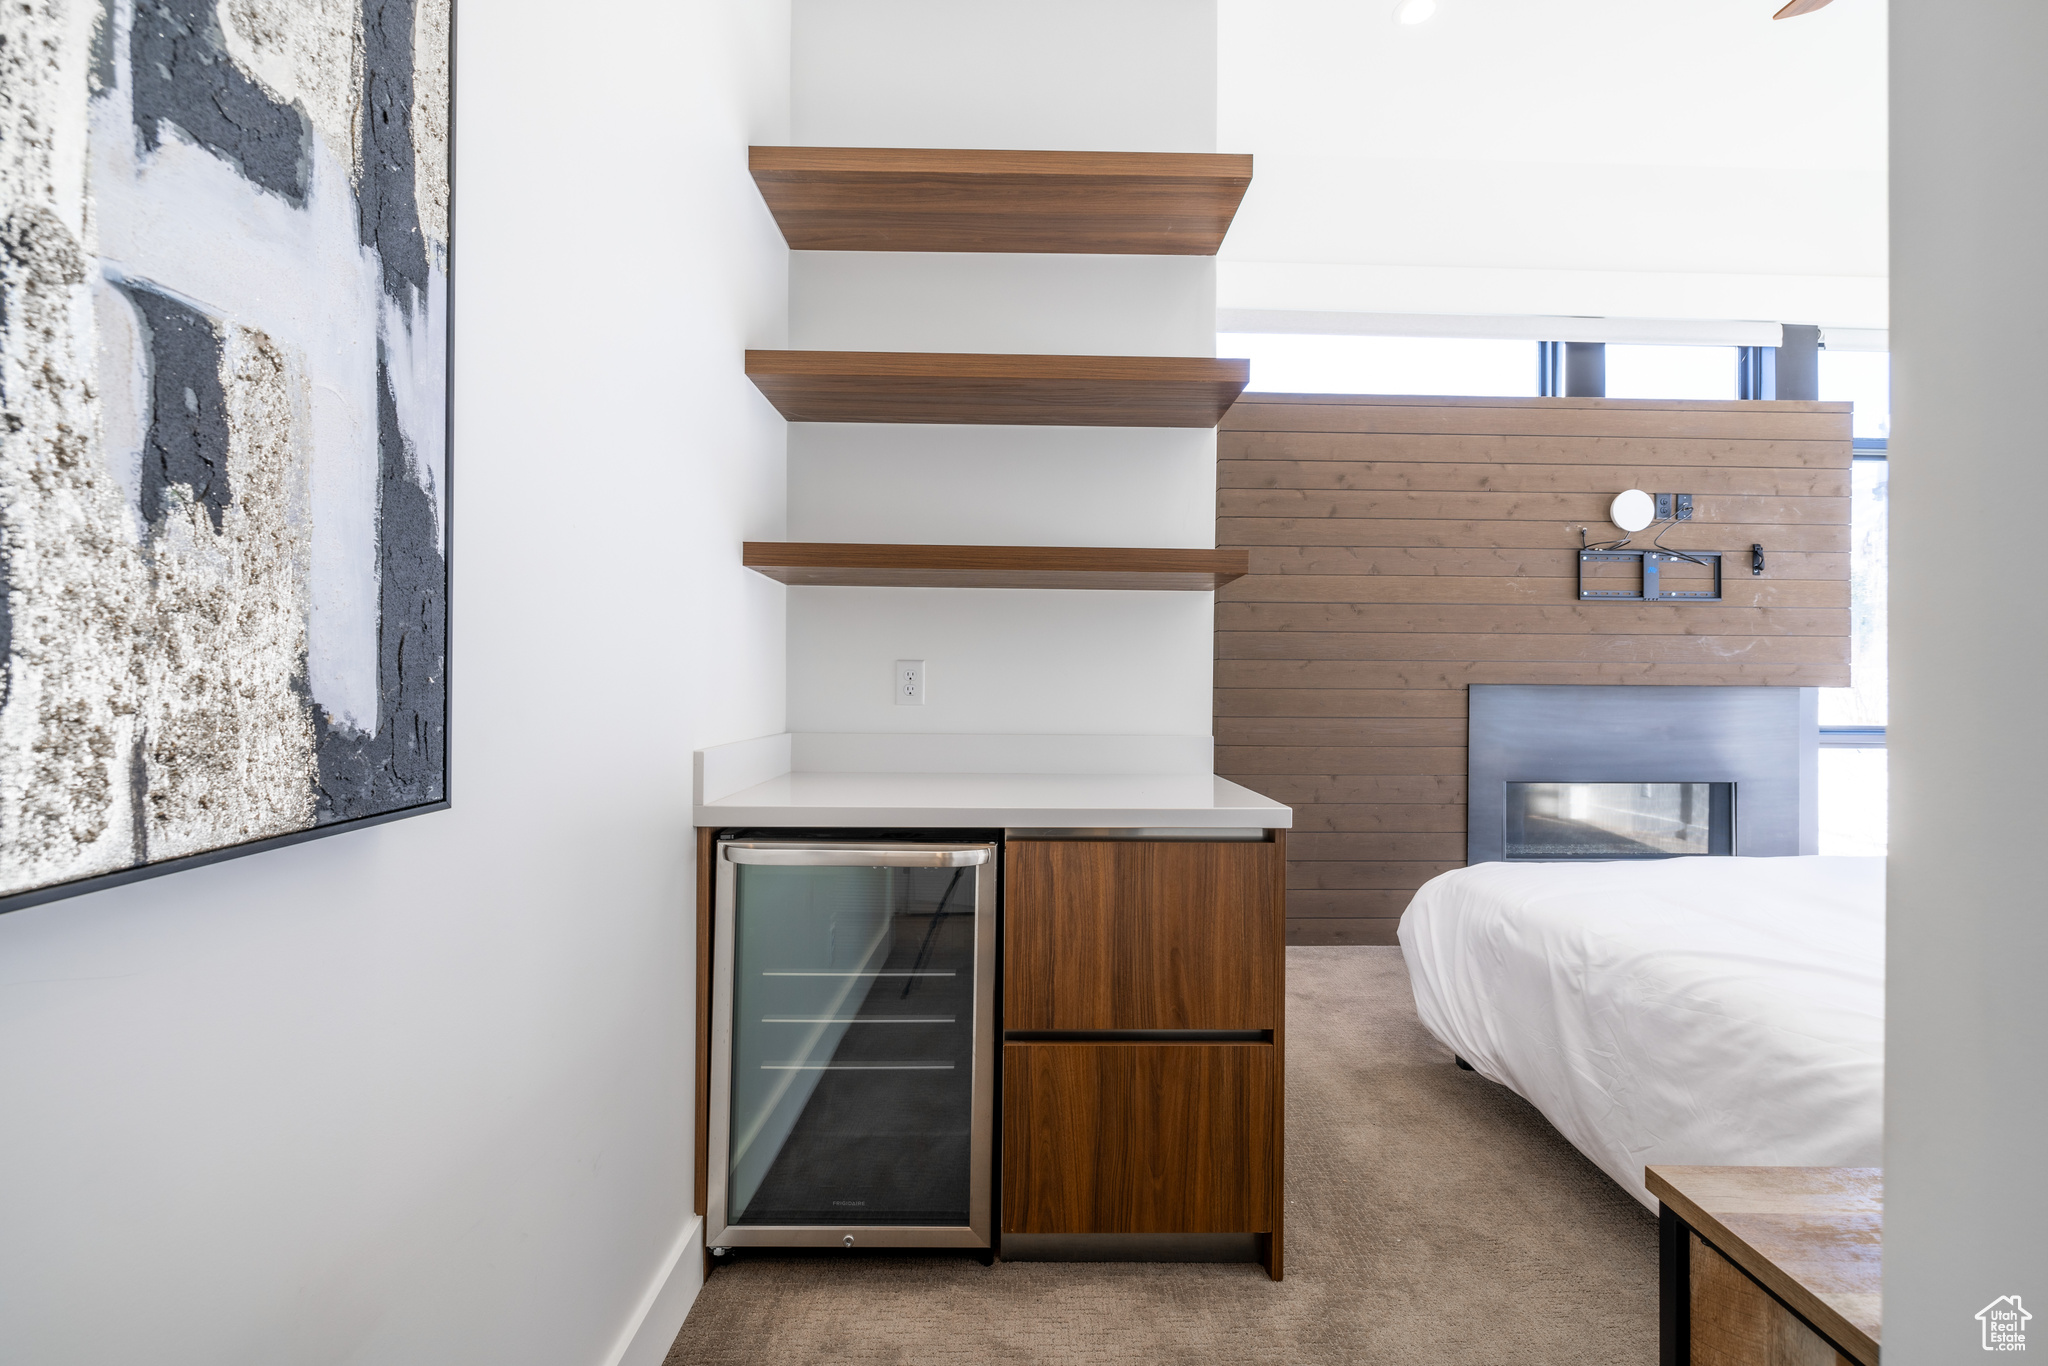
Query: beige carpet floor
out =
(1433, 1218)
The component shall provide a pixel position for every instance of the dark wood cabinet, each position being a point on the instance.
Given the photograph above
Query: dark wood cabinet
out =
(1127, 934)
(1143, 1025)
(1138, 1138)
(1108, 1127)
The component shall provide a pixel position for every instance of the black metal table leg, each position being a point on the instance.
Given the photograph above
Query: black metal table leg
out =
(1674, 1295)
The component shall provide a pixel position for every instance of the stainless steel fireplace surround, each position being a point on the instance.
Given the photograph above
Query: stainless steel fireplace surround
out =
(1762, 742)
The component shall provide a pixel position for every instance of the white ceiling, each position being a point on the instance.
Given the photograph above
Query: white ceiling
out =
(1649, 158)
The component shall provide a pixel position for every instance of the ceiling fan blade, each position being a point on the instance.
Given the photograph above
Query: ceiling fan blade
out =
(1795, 8)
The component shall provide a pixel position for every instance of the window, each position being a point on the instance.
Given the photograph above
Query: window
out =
(1864, 702)
(1670, 371)
(1863, 378)
(1853, 814)
(1384, 365)
(1465, 366)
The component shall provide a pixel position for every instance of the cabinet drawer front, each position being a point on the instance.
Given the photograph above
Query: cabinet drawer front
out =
(1125, 934)
(1138, 1138)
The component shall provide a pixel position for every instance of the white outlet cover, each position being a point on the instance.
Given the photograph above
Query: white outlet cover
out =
(908, 683)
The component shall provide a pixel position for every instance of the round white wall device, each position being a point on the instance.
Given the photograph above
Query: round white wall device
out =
(1632, 510)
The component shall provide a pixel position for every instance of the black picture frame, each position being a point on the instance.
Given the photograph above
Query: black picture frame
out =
(39, 896)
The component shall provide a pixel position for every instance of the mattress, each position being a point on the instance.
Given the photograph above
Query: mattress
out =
(1697, 1011)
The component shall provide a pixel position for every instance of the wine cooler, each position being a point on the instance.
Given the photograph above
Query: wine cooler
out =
(852, 1044)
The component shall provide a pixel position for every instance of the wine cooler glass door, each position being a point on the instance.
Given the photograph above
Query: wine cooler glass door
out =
(851, 1088)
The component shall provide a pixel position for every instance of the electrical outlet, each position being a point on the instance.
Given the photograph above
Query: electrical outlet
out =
(909, 683)
(1663, 507)
(1681, 507)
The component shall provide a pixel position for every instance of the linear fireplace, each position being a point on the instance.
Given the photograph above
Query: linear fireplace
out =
(1619, 820)
(1625, 772)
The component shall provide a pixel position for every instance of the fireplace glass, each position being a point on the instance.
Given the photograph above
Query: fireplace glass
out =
(1619, 820)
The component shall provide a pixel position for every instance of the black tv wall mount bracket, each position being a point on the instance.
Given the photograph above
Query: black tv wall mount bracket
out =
(1651, 587)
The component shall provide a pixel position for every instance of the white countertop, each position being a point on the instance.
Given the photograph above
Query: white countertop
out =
(993, 800)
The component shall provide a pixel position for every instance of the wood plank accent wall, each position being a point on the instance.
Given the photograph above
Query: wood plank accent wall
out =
(1405, 548)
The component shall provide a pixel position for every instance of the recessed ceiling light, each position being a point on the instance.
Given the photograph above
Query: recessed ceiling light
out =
(1414, 11)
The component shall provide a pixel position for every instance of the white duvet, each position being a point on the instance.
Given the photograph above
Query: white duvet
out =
(1700, 1011)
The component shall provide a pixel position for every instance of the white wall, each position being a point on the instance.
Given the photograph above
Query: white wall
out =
(1684, 159)
(423, 1093)
(1135, 75)
(1966, 1190)
(1061, 75)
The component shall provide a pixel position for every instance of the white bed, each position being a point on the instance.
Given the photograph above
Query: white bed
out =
(1700, 1011)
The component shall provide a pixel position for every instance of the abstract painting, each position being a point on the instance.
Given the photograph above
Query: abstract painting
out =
(224, 361)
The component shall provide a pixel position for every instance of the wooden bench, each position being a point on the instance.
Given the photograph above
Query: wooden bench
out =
(1770, 1266)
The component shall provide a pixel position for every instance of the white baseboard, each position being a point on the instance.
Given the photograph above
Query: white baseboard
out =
(659, 1316)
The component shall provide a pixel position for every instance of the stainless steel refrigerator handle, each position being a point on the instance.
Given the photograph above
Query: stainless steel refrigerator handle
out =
(858, 858)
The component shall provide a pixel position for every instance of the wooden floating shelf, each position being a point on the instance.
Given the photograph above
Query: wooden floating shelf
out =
(914, 199)
(994, 566)
(1037, 391)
